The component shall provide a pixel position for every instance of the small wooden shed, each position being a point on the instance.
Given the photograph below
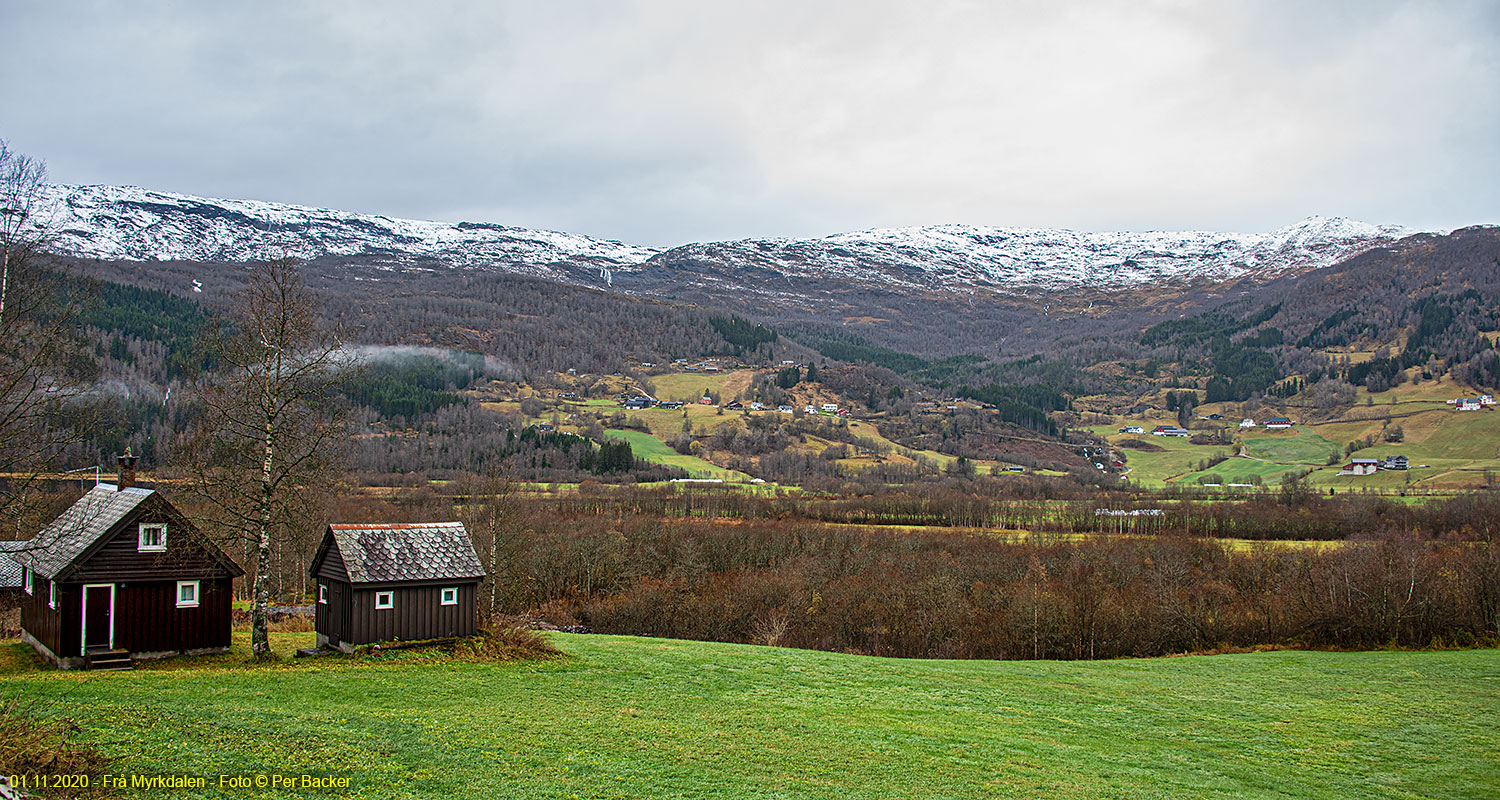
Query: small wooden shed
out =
(123, 575)
(388, 582)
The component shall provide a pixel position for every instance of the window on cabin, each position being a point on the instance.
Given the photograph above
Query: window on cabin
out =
(26, 579)
(153, 537)
(385, 600)
(323, 593)
(52, 594)
(450, 596)
(187, 594)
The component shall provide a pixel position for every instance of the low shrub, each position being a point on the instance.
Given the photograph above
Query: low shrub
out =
(500, 639)
(32, 744)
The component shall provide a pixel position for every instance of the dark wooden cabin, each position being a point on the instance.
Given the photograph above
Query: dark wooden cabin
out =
(408, 582)
(123, 575)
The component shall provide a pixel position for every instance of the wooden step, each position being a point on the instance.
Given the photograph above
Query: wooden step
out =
(109, 660)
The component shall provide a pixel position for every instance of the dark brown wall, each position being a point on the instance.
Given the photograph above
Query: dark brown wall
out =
(59, 629)
(39, 620)
(418, 614)
(331, 618)
(332, 567)
(148, 619)
(117, 559)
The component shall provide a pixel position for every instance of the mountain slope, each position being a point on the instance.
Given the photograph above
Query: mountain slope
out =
(965, 259)
(128, 223)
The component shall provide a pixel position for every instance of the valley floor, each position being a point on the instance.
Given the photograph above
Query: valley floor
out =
(626, 717)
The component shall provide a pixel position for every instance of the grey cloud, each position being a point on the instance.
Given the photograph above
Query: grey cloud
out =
(666, 122)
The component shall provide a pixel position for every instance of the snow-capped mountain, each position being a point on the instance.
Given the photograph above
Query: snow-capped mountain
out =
(136, 224)
(967, 258)
(129, 223)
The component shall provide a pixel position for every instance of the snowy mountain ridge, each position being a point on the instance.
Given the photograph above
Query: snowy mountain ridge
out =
(1006, 260)
(128, 223)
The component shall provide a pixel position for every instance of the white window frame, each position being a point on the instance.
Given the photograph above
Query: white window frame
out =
(322, 594)
(52, 594)
(449, 596)
(26, 579)
(385, 601)
(140, 543)
(196, 594)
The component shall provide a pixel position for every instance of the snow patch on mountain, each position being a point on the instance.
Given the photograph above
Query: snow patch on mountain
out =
(129, 223)
(123, 222)
(965, 257)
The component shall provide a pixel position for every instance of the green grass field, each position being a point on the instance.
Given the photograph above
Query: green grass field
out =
(651, 449)
(625, 717)
(1295, 446)
(1240, 470)
(1176, 458)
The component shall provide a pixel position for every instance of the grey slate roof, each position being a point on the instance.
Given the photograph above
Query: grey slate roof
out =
(423, 551)
(10, 569)
(66, 537)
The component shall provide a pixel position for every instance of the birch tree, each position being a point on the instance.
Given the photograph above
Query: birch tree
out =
(39, 344)
(269, 442)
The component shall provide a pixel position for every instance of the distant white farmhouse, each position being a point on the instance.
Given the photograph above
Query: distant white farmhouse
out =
(1361, 466)
(1247, 423)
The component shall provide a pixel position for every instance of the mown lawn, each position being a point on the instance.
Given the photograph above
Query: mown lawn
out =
(626, 717)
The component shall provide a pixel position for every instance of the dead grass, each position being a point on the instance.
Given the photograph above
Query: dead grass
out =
(501, 639)
(34, 744)
(277, 623)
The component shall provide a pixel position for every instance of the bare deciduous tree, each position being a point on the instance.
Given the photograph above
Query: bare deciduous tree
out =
(487, 517)
(268, 442)
(38, 341)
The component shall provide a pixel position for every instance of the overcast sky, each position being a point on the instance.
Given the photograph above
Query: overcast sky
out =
(661, 123)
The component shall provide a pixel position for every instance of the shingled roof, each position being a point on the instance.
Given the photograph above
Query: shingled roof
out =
(422, 551)
(10, 569)
(55, 547)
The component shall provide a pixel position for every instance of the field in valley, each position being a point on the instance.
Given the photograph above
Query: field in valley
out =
(1448, 450)
(624, 717)
(652, 450)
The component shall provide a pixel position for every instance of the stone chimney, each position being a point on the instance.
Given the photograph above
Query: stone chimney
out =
(126, 464)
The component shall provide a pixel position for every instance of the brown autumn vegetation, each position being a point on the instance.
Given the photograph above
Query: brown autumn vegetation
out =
(34, 743)
(696, 565)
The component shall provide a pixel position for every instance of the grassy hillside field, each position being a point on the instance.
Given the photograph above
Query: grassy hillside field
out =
(1449, 451)
(624, 717)
(652, 450)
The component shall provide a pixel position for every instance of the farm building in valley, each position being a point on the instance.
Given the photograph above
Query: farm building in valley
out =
(388, 582)
(122, 575)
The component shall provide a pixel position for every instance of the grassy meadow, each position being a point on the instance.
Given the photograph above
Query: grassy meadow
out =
(1454, 449)
(652, 450)
(624, 717)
